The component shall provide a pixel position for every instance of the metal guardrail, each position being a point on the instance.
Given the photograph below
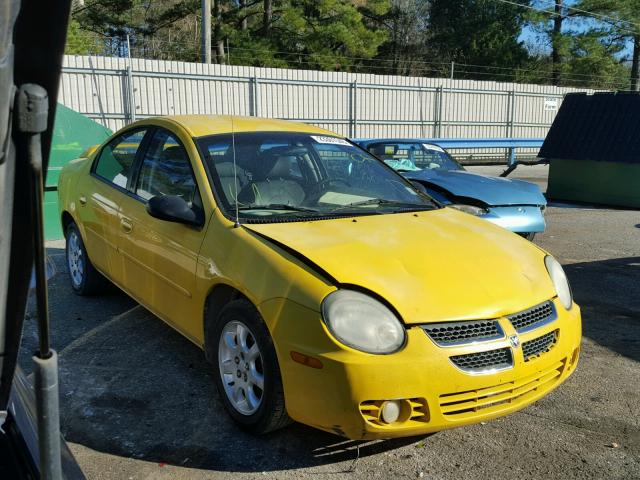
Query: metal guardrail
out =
(511, 144)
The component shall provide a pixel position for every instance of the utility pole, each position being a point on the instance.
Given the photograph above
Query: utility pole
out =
(206, 31)
(556, 58)
(635, 82)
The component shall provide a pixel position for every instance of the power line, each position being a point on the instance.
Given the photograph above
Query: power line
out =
(364, 65)
(599, 15)
(381, 61)
(559, 14)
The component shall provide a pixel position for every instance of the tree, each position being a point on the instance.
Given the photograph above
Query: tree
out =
(407, 26)
(267, 18)
(622, 21)
(479, 33)
(592, 62)
(319, 34)
(82, 42)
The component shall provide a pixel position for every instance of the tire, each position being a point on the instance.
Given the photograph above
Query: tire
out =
(528, 235)
(85, 279)
(243, 355)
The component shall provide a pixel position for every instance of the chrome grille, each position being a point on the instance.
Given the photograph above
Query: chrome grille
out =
(457, 333)
(534, 317)
(481, 362)
(538, 346)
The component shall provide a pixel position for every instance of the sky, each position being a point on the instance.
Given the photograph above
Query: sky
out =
(537, 42)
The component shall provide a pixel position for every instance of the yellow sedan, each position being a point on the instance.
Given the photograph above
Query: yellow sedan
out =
(321, 286)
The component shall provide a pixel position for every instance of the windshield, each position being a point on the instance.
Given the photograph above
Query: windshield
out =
(413, 156)
(300, 175)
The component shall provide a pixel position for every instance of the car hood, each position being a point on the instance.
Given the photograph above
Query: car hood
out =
(430, 266)
(488, 189)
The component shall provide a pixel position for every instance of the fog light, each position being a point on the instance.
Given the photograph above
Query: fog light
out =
(390, 411)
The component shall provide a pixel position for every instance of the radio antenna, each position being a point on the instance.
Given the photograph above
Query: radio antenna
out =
(235, 174)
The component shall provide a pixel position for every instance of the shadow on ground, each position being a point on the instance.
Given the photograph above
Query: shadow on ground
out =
(133, 387)
(608, 292)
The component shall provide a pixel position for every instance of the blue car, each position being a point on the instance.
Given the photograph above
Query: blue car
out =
(513, 204)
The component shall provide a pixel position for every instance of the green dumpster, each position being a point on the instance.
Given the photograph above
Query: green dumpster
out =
(73, 133)
(593, 148)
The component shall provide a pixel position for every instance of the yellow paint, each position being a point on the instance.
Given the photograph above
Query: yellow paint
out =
(429, 266)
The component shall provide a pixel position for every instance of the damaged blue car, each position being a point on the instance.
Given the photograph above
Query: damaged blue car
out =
(513, 204)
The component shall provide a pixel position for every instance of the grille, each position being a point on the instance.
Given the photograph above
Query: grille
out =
(536, 347)
(456, 333)
(484, 361)
(478, 403)
(533, 317)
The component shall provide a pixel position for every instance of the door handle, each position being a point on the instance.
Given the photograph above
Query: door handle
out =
(126, 225)
(82, 200)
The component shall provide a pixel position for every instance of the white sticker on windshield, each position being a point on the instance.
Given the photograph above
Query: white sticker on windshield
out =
(435, 148)
(331, 140)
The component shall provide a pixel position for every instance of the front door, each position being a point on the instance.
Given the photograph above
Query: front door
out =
(99, 199)
(160, 257)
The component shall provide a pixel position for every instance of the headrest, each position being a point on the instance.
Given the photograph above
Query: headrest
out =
(276, 162)
(174, 152)
(281, 167)
(226, 169)
(245, 155)
(377, 150)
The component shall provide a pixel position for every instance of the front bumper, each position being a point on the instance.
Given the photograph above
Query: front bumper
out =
(344, 396)
(518, 219)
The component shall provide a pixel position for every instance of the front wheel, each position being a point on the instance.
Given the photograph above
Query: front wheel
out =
(528, 235)
(85, 279)
(248, 377)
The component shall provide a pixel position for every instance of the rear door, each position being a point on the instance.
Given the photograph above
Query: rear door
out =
(100, 196)
(160, 257)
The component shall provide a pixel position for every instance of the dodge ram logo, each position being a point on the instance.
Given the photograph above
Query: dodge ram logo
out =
(515, 341)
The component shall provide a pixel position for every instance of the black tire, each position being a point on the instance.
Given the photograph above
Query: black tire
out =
(89, 281)
(528, 235)
(271, 414)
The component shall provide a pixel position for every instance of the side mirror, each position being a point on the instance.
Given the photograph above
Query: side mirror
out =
(173, 208)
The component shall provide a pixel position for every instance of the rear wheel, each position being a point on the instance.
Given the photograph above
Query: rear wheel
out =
(85, 279)
(528, 235)
(248, 377)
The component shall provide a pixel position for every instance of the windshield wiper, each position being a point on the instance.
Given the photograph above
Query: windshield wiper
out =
(278, 206)
(381, 201)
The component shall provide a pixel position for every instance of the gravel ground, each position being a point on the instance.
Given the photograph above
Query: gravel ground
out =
(138, 400)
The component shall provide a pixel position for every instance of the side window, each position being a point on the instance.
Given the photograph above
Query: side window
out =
(166, 169)
(116, 159)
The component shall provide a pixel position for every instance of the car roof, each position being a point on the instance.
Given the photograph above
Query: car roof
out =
(204, 125)
(368, 141)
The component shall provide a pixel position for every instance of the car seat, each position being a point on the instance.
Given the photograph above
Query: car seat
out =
(232, 180)
(272, 183)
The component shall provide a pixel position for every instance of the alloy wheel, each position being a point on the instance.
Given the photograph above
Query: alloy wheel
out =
(241, 367)
(75, 259)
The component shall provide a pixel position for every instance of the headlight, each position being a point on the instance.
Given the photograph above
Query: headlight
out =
(362, 322)
(559, 280)
(472, 209)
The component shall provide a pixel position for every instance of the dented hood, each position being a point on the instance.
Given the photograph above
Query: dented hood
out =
(431, 266)
(493, 191)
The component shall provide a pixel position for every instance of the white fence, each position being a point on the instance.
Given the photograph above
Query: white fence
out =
(115, 91)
